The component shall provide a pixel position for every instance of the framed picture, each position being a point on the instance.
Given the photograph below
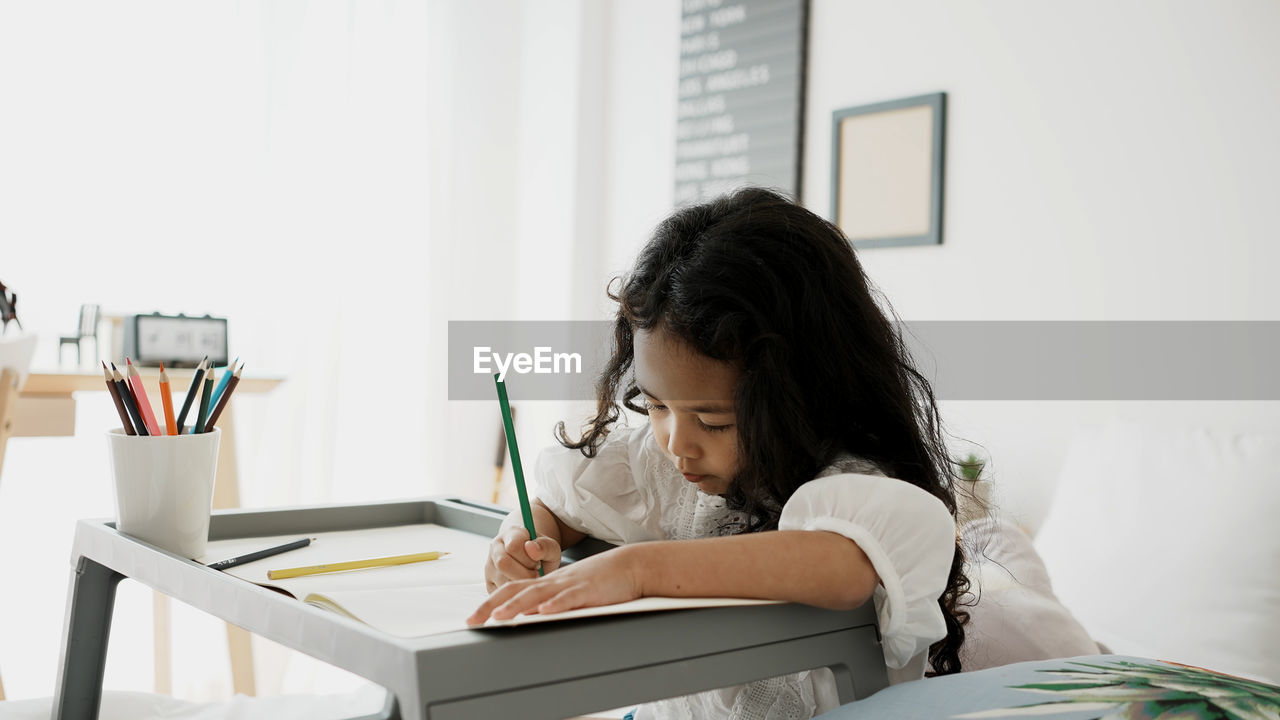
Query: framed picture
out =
(886, 171)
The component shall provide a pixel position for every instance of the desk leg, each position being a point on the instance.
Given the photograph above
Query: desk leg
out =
(85, 631)
(8, 398)
(226, 494)
(226, 484)
(162, 641)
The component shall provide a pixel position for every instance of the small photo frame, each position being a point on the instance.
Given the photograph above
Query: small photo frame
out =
(886, 171)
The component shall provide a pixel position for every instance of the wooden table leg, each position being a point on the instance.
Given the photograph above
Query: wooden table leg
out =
(162, 640)
(226, 484)
(8, 398)
(226, 494)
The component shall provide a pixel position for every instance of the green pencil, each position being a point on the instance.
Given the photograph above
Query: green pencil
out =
(525, 511)
(204, 403)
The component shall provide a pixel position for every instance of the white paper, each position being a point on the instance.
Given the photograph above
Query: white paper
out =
(412, 600)
(418, 611)
(463, 565)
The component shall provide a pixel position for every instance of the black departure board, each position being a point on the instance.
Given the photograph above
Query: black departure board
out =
(741, 96)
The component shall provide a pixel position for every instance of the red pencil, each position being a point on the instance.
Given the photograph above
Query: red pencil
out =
(140, 395)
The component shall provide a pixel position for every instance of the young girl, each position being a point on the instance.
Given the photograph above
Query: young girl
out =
(791, 453)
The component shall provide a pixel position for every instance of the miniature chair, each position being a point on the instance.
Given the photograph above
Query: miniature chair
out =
(88, 329)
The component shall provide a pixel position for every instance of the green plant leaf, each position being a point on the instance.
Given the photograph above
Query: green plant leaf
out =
(1145, 691)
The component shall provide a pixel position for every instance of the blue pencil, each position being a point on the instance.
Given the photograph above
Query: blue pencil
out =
(222, 383)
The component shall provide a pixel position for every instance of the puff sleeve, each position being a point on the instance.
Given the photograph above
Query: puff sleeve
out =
(908, 536)
(606, 496)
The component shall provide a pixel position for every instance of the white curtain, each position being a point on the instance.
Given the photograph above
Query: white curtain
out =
(266, 162)
(340, 179)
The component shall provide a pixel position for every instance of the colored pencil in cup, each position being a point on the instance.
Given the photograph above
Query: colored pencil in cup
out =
(203, 416)
(353, 565)
(130, 403)
(140, 395)
(125, 422)
(166, 399)
(224, 399)
(526, 512)
(191, 394)
(221, 387)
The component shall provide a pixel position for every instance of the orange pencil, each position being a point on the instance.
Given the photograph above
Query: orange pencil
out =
(140, 394)
(166, 399)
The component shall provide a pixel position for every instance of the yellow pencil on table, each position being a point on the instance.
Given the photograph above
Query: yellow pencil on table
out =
(353, 565)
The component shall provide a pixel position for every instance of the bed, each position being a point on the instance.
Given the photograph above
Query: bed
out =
(1152, 589)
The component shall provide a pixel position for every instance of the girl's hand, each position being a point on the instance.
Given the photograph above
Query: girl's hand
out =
(512, 556)
(604, 579)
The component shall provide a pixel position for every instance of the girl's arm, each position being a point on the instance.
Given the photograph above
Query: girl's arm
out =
(812, 567)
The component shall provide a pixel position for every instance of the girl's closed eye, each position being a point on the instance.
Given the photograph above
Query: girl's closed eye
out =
(710, 427)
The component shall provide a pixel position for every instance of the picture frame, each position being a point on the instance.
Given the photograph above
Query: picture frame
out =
(887, 171)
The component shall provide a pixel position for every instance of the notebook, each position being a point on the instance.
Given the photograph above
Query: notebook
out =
(413, 600)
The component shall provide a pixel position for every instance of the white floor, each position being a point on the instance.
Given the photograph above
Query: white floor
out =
(146, 706)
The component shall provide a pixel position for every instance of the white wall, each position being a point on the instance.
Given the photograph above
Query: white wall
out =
(253, 160)
(1105, 161)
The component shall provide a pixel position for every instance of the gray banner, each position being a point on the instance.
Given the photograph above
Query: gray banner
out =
(964, 360)
(1111, 360)
(540, 360)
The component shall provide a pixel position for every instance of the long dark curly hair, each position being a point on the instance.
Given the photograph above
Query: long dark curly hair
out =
(756, 280)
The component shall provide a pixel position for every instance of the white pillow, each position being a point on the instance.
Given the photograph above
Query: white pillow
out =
(1166, 544)
(1017, 617)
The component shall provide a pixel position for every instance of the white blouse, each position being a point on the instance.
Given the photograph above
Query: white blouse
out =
(631, 492)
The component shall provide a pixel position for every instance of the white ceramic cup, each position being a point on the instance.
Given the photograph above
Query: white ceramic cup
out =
(164, 488)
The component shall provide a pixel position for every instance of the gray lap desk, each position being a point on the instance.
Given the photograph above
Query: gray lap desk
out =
(549, 671)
